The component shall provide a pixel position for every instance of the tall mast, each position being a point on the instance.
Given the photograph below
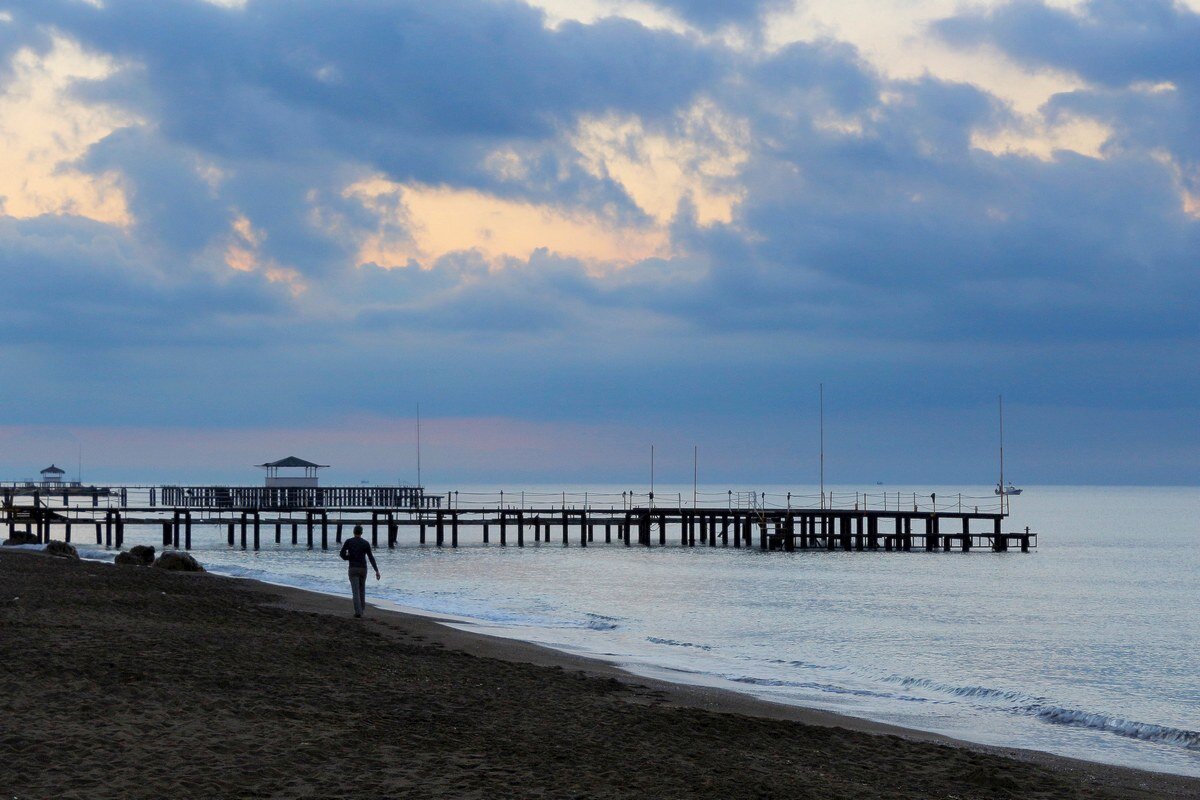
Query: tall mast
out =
(418, 444)
(1003, 490)
(695, 471)
(821, 388)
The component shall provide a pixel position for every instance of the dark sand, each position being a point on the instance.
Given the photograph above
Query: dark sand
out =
(128, 682)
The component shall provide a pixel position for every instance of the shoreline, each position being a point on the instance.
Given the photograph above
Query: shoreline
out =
(462, 633)
(143, 676)
(442, 630)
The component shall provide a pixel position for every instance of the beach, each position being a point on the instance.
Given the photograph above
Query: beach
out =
(133, 682)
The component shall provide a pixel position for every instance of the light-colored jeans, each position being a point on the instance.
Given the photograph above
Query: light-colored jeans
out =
(358, 586)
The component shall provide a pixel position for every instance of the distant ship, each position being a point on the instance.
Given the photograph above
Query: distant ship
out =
(1010, 489)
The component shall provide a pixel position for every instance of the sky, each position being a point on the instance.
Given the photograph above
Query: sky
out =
(567, 230)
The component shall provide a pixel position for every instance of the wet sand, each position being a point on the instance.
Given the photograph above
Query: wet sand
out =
(129, 682)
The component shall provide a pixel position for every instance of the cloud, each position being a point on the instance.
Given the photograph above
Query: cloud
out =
(44, 130)
(1140, 61)
(334, 209)
(714, 13)
(422, 224)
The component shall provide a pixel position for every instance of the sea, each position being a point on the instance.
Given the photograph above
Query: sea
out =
(1087, 647)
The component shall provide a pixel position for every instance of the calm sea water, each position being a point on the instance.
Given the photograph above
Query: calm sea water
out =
(1088, 647)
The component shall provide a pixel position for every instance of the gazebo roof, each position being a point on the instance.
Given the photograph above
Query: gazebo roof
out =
(53, 470)
(292, 461)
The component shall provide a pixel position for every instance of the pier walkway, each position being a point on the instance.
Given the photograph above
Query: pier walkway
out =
(882, 521)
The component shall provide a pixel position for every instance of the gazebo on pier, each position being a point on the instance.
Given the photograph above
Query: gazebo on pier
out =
(53, 476)
(306, 481)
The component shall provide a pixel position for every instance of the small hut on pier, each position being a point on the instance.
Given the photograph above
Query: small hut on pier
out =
(291, 480)
(53, 476)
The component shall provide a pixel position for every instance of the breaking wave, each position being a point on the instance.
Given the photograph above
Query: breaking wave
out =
(1145, 731)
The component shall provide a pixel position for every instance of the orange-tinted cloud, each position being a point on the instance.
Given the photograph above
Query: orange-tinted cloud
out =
(423, 223)
(43, 130)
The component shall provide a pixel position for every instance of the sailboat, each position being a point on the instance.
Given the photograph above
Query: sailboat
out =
(1001, 489)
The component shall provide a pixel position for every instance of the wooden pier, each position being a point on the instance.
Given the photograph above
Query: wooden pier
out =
(313, 517)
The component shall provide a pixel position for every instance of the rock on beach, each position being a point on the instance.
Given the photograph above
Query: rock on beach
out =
(21, 537)
(139, 556)
(178, 562)
(61, 550)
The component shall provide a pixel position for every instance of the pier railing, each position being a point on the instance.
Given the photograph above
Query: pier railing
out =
(281, 497)
(732, 499)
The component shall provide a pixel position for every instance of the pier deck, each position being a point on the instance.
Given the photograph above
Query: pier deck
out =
(249, 513)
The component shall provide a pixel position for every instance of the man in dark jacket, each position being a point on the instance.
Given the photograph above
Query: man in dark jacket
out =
(357, 550)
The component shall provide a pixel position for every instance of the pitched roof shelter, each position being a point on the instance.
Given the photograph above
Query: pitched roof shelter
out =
(291, 462)
(53, 476)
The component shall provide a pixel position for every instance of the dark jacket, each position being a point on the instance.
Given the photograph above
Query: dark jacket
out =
(357, 550)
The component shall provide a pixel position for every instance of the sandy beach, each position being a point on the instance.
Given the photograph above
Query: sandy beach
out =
(132, 682)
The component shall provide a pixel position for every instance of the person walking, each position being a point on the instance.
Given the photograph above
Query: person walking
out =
(357, 550)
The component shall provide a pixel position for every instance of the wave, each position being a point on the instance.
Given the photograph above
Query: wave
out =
(673, 643)
(1145, 731)
(1045, 710)
(827, 688)
(599, 622)
(1007, 700)
(970, 692)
